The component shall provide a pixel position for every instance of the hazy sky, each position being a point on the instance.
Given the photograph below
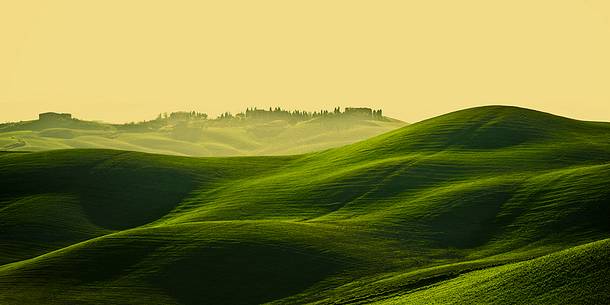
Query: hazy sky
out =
(121, 60)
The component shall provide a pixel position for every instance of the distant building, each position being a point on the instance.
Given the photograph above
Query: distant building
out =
(48, 116)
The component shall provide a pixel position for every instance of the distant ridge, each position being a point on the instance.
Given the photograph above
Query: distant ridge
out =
(253, 132)
(277, 113)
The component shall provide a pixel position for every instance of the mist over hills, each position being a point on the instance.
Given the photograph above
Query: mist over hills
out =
(488, 205)
(254, 132)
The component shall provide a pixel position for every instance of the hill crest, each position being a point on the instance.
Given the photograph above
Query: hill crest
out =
(480, 128)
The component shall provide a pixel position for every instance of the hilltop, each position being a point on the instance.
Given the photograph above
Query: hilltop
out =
(253, 132)
(489, 205)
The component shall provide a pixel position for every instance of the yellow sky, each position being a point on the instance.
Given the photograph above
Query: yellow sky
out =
(120, 60)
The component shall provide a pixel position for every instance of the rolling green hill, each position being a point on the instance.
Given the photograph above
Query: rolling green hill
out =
(489, 205)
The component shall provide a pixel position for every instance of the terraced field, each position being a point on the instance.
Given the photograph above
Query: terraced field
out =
(489, 205)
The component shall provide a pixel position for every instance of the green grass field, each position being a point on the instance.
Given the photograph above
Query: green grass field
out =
(489, 205)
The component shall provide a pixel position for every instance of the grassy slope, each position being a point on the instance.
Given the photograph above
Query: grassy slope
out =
(488, 189)
(578, 275)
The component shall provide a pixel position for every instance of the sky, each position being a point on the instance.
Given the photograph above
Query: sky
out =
(128, 60)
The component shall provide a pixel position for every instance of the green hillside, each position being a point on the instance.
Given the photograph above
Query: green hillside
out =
(256, 132)
(489, 205)
(578, 275)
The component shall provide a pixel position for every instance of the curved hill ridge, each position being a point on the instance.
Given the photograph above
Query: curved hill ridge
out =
(483, 128)
(387, 219)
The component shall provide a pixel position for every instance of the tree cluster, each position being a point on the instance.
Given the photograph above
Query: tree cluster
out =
(298, 115)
